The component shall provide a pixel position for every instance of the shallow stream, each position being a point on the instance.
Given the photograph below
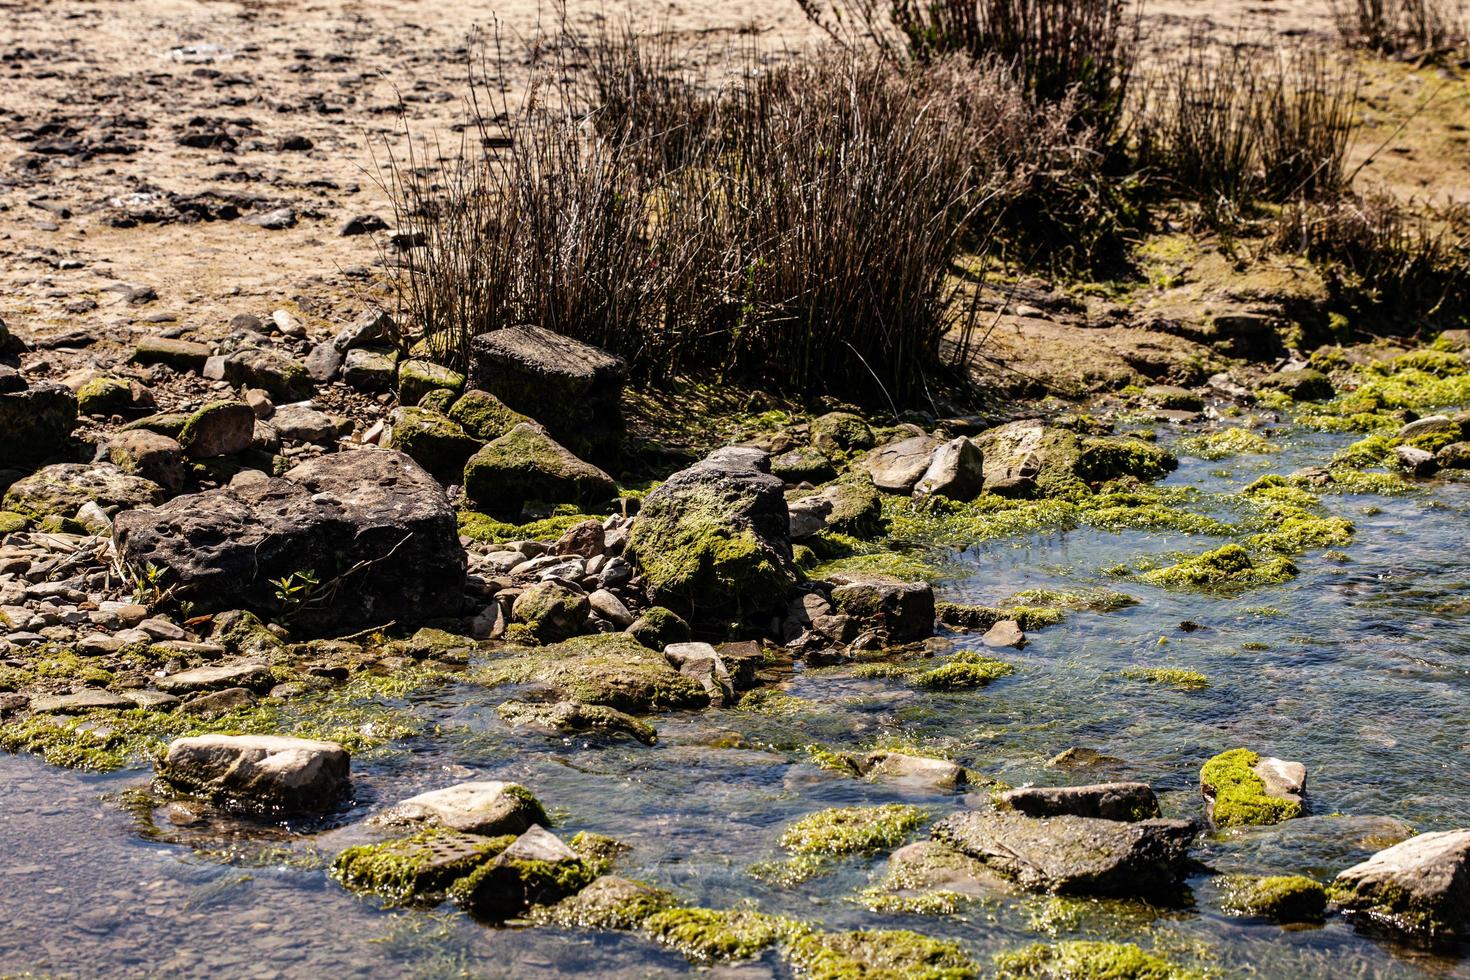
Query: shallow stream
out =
(1359, 668)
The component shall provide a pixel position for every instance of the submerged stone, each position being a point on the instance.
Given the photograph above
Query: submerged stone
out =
(611, 669)
(417, 869)
(571, 716)
(1281, 898)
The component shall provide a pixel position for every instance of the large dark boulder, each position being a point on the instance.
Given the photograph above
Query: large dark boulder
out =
(714, 540)
(35, 420)
(571, 388)
(371, 527)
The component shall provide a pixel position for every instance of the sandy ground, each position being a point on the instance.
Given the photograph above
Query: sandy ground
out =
(139, 140)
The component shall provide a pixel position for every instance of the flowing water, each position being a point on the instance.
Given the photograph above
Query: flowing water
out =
(1359, 667)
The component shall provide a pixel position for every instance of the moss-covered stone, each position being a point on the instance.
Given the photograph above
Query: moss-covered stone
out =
(852, 830)
(897, 954)
(1186, 680)
(434, 441)
(960, 616)
(10, 521)
(569, 716)
(241, 631)
(840, 432)
(417, 378)
(1224, 443)
(658, 627)
(535, 870)
(857, 505)
(803, 466)
(1303, 385)
(483, 527)
(710, 935)
(1281, 898)
(965, 671)
(484, 416)
(61, 489)
(219, 428)
(104, 396)
(1239, 795)
(1229, 567)
(1083, 959)
(612, 669)
(1101, 459)
(417, 869)
(551, 611)
(611, 902)
(526, 464)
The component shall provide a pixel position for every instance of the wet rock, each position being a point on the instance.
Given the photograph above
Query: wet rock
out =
(1005, 633)
(35, 422)
(224, 428)
(1419, 888)
(855, 505)
(896, 467)
(488, 808)
(929, 865)
(417, 378)
(1281, 898)
(1429, 425)
(1303, 385)
(63, 488)
(1455, 456)
(247, 674)
(565, 717)
(1241, 788)
(1106, 801)
(415, 870)
(937, 774)
(658, 627)
(609, 669)
(905, 610)
(808, 517)
(572, 388)
(1416, 461)
(283, 376)
(551, 611)
(526, 464)
(715, 539)
(258, 771)
(703, 664)
(78, 703)
(1028, 457)
(181, 355)
(370, 370)
(1074, 855)
(433, 440)
(537, 869)
(956, 471)
(840, 432)
(370, 525)
(611, 902)
(153, 457)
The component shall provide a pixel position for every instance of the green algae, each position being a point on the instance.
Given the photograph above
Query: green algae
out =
(709, 935)
(890, 954)
(1282, 898)
(1187, 680)
(486, 529)
(608, 903)
(792, 871)
(964, 671)
(1225, 443)
(1227, 568)
(852, 830)
(1107, 458)
(959, 616)
(416, 869)
(1089, 600)
(1082, 959)
(936, 902)
(612, 669)
(1240, 795)
(1295, 531)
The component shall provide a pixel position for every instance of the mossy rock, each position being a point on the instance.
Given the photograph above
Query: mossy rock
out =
(1227, 568)
(59, 490)
(840, 432)
(104, 396)
(878, 953)
(1104, 458)
(526, 464)
(1029, 458)
(1084, 959)
(1238, 796)
(484, 416)
(169, 424)
(803, 466)
(852, 830)
(220, 428)
(10, 522)
(611, 902)
(566, 717)
(712, 935)
(965, 671)
(417, 869)
(610, 669)
(658, 627)
(242, 632)
(1173, 398)
(551, 611)
(434, 441)
(1303, 385)
(180, 355)
(417, 378)
(1224, 443)
(537, 869)
(857, 505)
(1281, 898)
(439, 400)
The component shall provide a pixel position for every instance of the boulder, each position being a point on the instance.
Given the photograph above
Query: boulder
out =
(552, 611)
(904, 610)
(370, 370)
(1419, 888)
(62, 489)
(35, 422)
(1029, 457)
(434, 441)
(106, 396)
(572, 388)
(896, 467)
(526, 464)
(855, 505)
(714, 540)
(956, 471)
(537, 869)
(808, 516)
(153, 457)
(1074, 855)
(181, 355)
(302, 423)
(223, 428)
(658, 627)
(1106, 801)
(283, 376)
(1241, 788)
(258, 772)
(1005, 633)
(840, 432)
(417, 378)
(484, 416)
(371, 526)
(488, 808)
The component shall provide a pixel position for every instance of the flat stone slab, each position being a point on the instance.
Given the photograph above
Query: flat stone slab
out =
(75, 704)
(1419, 888)
(247, 674)
(253, 772)
(1106, 801)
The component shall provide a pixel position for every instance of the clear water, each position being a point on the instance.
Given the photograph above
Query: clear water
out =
(1365, 677)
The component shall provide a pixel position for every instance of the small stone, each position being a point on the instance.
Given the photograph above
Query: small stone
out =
(1005, 633)
(362, 224)
(611, 608)
(247, 674)
(223, 428)
(181, 355)
(955, 472)
(488, 808)
(276, 220)
(75, 704)
(369, 370)
(148, 455)
(218, 703)
(702, 663)
(1419, 462)
(323, 363)
(896, 467)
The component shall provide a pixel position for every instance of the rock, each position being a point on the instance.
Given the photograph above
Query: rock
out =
(956, 471)
(610, 669)
(551, 611)
(1241, 788)
(218, 429)
(611, 902)
(1419, 462)
(1282, 898)
(35, 422)
(181, 355)
(1028, 457)
(258, 771)
(566, 717)
(803, 466)
(283, 376)
(572, 388)
(856, 505)
(1303, 385)
(1106, 801)
(277, 219)
(700, 662)
(1419, 888)
(370, 525)
(538, 869)
(1005, 633)
(1455, 456)
(372, 327)
(153, 457)
(715, 539)
(62, 489)
(362, 224)
(840, 432)
(526, 464)
(433, 440)
(417, 378)
(104, 396)
(937, 774)
(218, 703)
(1429, 425)
(302, 423)
(488, 808)
(484, 416)
(78, 703)
(368, 369)
(928, 865)
(415, 870)
(1174, 398)
(323, 362)
(247, 674)
(658, 627)
(905, 610)
(611, 608)
(1074, 855)
(896, 467)
(808, 516)
(586, 540)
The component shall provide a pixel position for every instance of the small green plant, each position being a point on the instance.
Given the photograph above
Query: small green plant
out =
(147, 584)
(295, 592)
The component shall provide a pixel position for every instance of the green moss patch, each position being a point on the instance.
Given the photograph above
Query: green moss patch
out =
(417, 869)
(1239, 794)
(612, 670)
(1226, 568)
(1186, 680)
(897, 954)
(966, 670)
(853, 830)
(1087, 960)
(709, 935)
(1282, 898)
(1224, 443)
